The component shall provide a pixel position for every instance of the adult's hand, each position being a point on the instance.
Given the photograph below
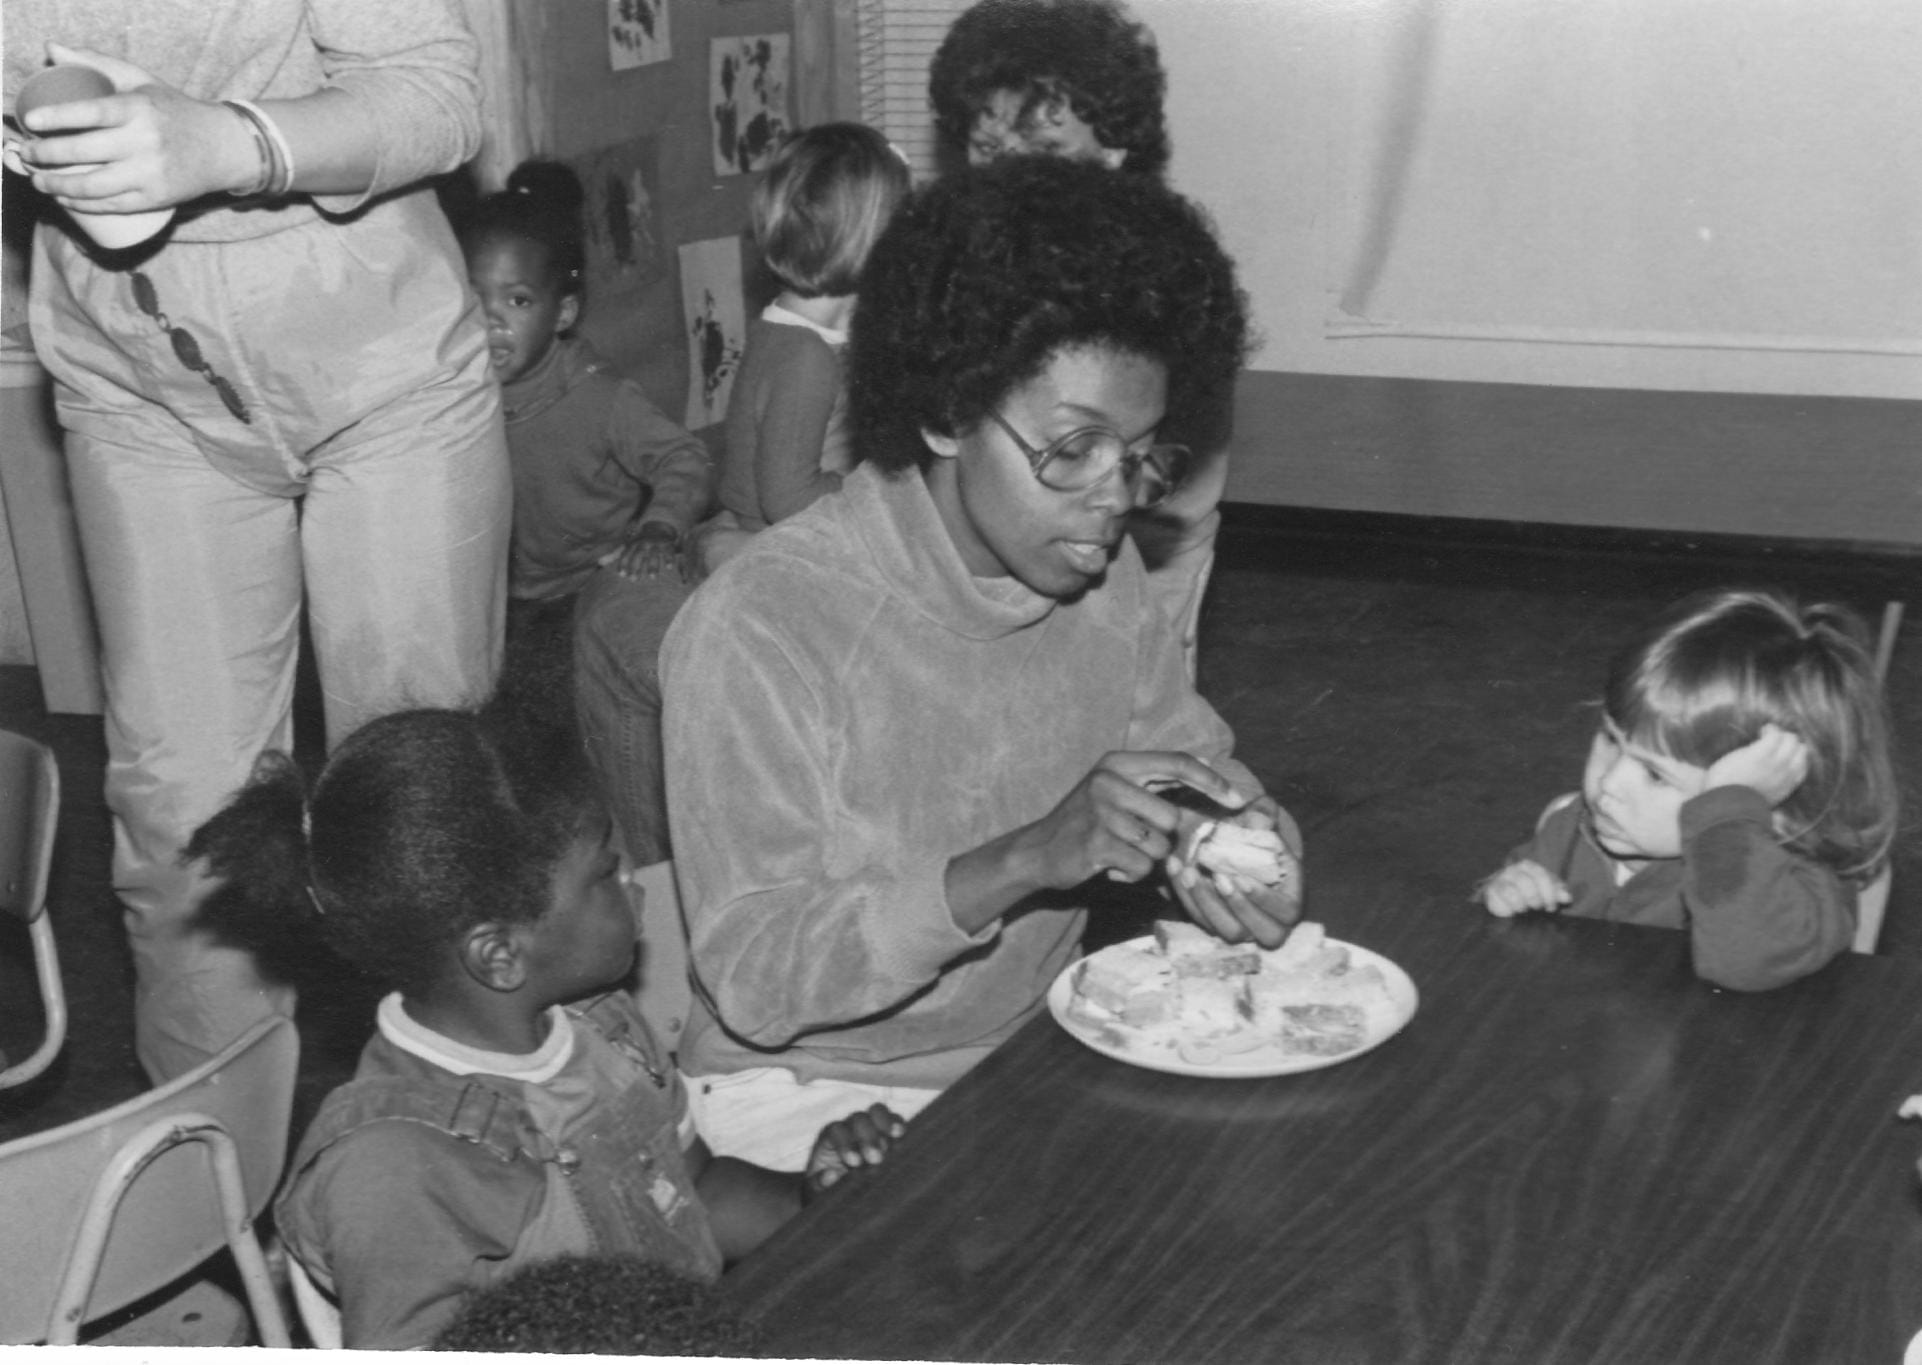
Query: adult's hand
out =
(1236, 912)
(1113, 822)
(147, 146)
(1109, 822)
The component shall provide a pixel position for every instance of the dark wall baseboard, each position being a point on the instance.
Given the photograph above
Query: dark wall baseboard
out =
(1774, 466)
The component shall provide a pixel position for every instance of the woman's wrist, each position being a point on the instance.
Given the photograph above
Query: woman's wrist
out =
(274, 159)
(244, 185)
(984, 883)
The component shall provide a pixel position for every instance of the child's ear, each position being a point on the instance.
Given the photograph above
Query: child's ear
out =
(491, 954)
(947, 447)
(569, 315)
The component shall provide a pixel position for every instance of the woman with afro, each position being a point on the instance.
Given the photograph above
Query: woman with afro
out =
(1080, 79)
(1075, 78)
(906, 726)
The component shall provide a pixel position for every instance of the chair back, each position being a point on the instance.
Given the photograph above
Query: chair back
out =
(666, 997)
(1885, 640)
(1871, 904)
(29, 816)
(105, 1210)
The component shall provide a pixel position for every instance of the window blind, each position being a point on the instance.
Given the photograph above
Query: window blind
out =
(894, 42)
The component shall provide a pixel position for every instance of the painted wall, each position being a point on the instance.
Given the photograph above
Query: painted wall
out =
(1667, 194)
(591, 107)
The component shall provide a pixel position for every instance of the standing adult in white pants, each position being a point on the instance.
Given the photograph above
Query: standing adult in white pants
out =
(283, 399)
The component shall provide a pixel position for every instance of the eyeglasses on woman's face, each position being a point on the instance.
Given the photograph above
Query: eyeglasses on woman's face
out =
(1088, 455)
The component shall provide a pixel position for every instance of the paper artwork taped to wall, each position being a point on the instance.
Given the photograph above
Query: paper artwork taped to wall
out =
(716, 326)
(747, 99)
(637, 33)
(624, 248)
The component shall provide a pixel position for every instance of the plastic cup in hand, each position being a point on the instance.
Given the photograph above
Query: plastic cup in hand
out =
(63, 85)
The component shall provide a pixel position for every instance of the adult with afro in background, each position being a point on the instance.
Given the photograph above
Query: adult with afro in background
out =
(1073, 78)
(905, 726)
(1081, 79)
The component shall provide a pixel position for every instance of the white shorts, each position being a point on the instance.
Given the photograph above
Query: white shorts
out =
(766, 1116)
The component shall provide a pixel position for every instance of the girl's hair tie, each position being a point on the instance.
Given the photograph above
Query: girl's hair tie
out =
(307, 839)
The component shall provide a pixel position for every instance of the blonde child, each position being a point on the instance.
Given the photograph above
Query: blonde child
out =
(816, 214)
(1739, 786)
(512, 1105)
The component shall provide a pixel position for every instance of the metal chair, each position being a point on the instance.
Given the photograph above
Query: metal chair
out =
(1871, 904)
(107, 1210)
(1885, 640)
(29, 815)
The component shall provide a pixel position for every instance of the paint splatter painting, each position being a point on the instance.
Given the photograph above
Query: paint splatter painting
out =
(715, 318)
(747, 100)
(623, 232)
(637, 33)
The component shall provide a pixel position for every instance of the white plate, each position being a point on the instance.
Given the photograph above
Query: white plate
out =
(1126, 1044)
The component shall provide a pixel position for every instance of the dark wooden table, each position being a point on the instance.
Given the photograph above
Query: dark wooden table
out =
(1574, 1152)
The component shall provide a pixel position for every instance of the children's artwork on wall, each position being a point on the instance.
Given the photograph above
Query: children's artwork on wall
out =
(716, 326)
(747, 98)
(637, 33)
(624, 247)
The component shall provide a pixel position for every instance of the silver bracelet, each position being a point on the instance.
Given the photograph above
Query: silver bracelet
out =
(280, 176)
(261, 146)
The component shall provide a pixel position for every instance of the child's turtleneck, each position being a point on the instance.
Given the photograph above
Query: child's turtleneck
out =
(547, 381)
(551, 1032)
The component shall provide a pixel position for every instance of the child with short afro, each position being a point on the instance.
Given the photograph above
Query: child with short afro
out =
(601, 1305)
(513, 1104)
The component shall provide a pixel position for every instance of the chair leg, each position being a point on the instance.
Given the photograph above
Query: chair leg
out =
(46, 958)
(270, 1319)
(117, 1177)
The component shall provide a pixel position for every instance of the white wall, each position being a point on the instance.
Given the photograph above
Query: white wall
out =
(1668, 194)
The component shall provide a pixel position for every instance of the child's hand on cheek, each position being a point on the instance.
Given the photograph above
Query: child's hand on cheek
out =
(1774, 764)
(860, 1139)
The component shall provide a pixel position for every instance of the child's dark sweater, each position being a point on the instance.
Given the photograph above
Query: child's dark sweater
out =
(593, 461)
(1758, 914)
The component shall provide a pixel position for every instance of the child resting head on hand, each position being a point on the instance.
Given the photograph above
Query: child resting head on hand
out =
(1739, 786)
